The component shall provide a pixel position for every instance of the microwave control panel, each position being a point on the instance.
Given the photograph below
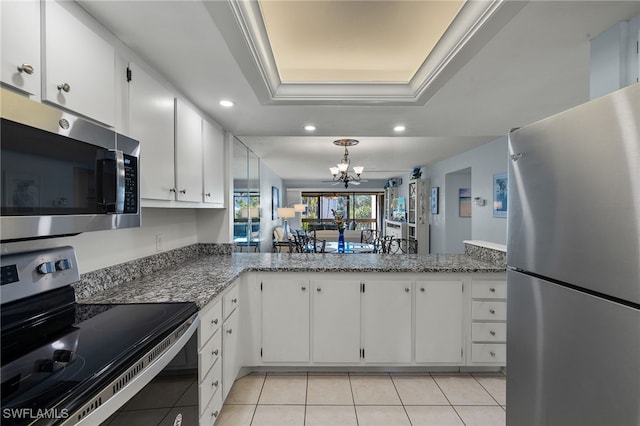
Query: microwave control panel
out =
(130, 184)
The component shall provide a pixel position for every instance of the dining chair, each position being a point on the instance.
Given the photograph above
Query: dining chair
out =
(368, 236)
(403, 246)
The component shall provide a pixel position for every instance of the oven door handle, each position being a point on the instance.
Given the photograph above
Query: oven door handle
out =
(112, 404)
(111, 180)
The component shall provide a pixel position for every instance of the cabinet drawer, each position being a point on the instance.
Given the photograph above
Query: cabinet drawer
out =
(230, 301)
(211, 412)
(210, 385)
(489, 290)
(210, 322)
(489, 332)
(489, 352)
(209, 354)
(489, 310)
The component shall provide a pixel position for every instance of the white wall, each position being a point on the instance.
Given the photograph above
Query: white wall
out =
(615, 62)
(96, 250)
(484, 162)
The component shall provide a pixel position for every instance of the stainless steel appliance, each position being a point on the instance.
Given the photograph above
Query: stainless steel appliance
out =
(573, 321)
(62, 175)
(65, 363)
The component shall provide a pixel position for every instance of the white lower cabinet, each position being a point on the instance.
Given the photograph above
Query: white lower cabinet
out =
(336, 321)
(209, 361)
(387, 321)
(285, 320)
(439, 322)
(231, 362)
(219, 360)
(488, 343)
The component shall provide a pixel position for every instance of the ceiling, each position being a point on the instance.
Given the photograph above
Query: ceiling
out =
(526, 61)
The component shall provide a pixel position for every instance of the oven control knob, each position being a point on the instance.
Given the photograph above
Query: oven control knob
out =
(46, 268)
(63, 264)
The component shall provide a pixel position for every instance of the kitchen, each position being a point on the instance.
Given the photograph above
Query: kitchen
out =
(168, 225)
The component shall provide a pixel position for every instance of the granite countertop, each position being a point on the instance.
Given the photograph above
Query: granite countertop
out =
(201, 279)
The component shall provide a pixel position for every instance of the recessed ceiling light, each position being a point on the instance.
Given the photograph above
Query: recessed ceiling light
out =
(310, 128)
(226, 103)
(399, 129)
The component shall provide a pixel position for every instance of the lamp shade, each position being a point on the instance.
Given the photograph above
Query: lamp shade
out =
(358, 170)
(286, 212)
(299, 208)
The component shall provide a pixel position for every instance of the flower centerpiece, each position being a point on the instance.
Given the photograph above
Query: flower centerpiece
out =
(339, 220)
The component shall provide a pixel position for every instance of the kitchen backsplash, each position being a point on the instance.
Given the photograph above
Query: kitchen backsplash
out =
(96, 281)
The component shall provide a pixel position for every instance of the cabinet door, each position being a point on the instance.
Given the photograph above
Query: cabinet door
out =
(213, 163)
(336, 321)
(439, 321)
(387, 321)
(230, 352)
(151, 121)
(20, 45)
(285, 320)
(81, 63)
(188, 153)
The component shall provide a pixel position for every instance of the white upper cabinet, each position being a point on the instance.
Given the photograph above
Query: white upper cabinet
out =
(188, 153)
(20, 45)
(213, 164)
(79, 67)
(151, 121)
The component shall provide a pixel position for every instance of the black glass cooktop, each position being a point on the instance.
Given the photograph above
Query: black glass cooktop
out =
(59, 361)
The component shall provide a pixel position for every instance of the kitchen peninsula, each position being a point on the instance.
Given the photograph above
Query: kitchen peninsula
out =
(323, 312)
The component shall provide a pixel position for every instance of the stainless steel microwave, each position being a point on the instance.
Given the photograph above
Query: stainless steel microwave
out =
(62, 174)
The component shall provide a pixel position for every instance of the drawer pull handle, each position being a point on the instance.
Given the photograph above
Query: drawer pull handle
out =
(215, 384)
(303, 288)
(215, 414)
(406, 289)
(492, 311)
(493, 333)
(318, 289)
(26, 68)
(215, 352)
(214, 321)
(422, 289)
(229, 331)
(492, 290)
(183, 191)
(234, 300)
(208, 194)
(493, 354)
(64, 87)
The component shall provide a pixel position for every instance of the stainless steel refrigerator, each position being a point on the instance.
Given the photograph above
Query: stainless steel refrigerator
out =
(573, 255)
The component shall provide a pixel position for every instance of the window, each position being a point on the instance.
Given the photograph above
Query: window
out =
(361, 207)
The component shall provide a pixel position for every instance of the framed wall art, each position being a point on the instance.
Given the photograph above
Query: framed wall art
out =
(500, 198)
(464, 202)
(435, 202)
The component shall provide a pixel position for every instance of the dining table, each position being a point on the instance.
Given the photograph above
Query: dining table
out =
(349, 247)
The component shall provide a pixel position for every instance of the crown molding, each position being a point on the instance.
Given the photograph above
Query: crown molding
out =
(476, 23)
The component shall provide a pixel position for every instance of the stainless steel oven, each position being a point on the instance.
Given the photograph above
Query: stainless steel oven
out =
(62, 174)
(65, 363)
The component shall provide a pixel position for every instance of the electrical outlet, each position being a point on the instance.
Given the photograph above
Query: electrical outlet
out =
(158, 242)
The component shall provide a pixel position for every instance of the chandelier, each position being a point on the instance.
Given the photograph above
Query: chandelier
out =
(340, 173)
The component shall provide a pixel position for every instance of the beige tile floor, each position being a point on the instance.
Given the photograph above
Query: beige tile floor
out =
(308, 399)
